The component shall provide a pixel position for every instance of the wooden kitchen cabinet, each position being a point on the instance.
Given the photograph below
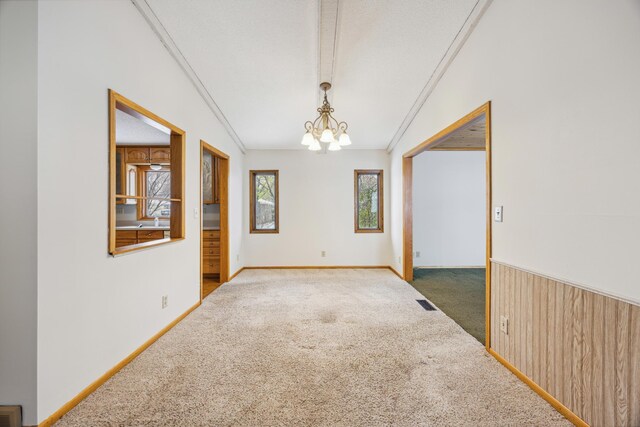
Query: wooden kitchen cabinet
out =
(148, 235)
(211, 252)
(211, 183)
(146, 155)
(126, 237)
(160, 155)
(216, 180)
(133, 237)
(138, 155)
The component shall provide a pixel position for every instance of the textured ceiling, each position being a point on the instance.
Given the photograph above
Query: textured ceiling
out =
(130, 130)
(260, 60)
(471, 136)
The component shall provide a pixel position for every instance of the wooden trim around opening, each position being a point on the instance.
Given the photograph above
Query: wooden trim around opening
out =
(177, 140)
(407, 199)
(407, 218)
(459, 124)
(111, 372)
(223, 164)
(356, 188)
(252, 202)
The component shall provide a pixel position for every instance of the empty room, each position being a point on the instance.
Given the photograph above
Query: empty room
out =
(319, 213)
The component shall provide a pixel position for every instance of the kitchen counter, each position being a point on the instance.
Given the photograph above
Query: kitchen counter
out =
(160, 227)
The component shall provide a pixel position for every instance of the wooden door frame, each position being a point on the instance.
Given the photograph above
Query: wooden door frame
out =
(407, 200)
(224, 212)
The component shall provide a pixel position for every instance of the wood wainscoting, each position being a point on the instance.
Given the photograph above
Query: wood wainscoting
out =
(580, 347)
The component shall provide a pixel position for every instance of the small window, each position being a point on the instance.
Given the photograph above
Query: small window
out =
(155, 187)
(264, 201)
(368, 201)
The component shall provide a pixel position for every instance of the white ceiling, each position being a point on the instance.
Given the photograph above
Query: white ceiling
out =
(260, 60)
(130, 130)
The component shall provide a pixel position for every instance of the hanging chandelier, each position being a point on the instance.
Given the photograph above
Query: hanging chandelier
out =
(325, 128)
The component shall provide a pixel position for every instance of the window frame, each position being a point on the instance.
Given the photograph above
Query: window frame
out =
(141, 177)
(356, 190)
(177, 144)
(252, 201)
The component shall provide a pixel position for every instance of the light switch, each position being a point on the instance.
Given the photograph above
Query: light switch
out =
(497, 214)
(195, 213)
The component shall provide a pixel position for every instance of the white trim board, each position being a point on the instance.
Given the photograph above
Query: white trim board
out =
(465, 31)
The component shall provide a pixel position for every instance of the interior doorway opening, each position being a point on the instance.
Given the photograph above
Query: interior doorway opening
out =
(214, 223)
(447, 222)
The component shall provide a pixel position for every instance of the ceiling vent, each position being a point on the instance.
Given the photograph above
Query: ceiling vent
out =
(10, 416)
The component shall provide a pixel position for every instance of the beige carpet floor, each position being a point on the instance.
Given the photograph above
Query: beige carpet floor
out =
(314, 348)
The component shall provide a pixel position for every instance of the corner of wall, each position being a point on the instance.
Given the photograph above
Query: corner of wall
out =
(18, 184)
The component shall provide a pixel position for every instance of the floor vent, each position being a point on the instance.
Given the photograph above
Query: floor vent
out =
(10, 416)
(426, 305)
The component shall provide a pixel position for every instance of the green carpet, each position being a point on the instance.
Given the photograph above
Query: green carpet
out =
(458, 292)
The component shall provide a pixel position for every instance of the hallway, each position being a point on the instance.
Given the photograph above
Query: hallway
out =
(348, 347)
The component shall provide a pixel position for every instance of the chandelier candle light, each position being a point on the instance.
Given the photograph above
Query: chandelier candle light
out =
(325, 128)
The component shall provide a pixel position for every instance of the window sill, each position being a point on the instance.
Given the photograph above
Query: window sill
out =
(370, 231)
(141, 246)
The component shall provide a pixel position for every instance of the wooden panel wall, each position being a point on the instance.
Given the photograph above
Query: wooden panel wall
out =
(581, 347)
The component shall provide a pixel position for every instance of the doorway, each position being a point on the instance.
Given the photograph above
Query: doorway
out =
(214, 219)
(470, 133)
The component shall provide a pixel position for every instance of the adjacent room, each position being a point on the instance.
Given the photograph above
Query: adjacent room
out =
(450, 235)
(319, 213)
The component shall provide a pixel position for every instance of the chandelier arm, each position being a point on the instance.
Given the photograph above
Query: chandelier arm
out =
(342, 126)
(333, 129)
(316, 122)
(308, 126)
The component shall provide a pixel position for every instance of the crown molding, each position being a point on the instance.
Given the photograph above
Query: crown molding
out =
(162, 33)
(463, 34)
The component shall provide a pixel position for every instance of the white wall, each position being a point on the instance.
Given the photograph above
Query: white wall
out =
(18, 191)
(449, 209)
(563, 81)
(93, 309)
(316, 210)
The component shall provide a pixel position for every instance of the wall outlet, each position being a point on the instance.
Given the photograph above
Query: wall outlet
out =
(165, 301)
(238, 257)
(504, 324)
(399, 260)
(497, 214)
(323, 254)
(417, 254)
